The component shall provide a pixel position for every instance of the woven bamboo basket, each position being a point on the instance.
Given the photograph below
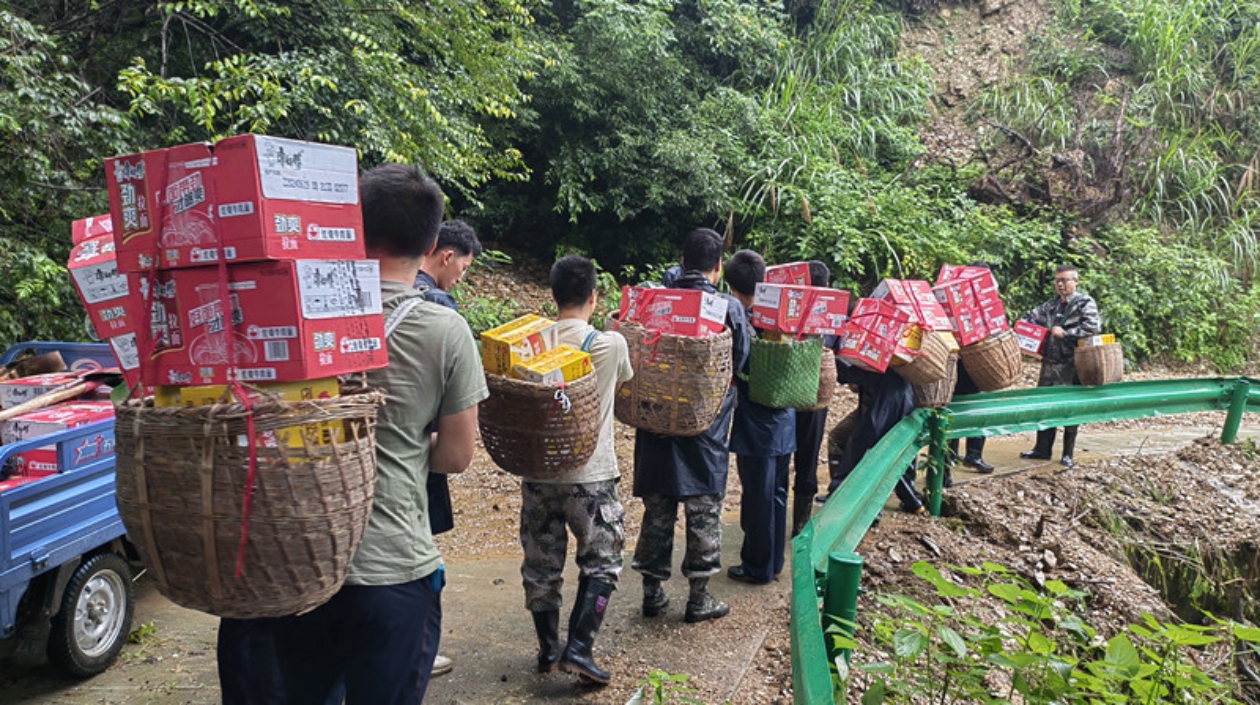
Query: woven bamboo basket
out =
(826, 382)
(1100, 364)
(679, 382)
(539, 431)
(784, 374)
(994, 362)
(934, 395)
(181, 491)
(930, 365)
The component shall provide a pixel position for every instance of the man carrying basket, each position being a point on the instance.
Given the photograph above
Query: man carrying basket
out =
(673, 470)
(380, 632)
(586, 501)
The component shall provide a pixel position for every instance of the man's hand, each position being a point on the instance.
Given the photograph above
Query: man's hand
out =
(1058, 332)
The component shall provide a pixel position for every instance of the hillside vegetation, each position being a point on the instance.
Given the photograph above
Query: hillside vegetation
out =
(884, 139)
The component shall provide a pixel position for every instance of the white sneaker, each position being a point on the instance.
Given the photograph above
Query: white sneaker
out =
(442, 665)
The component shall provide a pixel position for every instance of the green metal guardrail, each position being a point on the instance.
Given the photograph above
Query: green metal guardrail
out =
(823, 562)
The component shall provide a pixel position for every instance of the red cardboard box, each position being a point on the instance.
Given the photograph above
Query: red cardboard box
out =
(950, 272)
(865, 349)
(995, 318)
(268, 198)
(16, 481)
(43, 461)
(1031, 338)
(931, 315)
(16, 391)
(792, 273)
(827, 312)
(95, 226)
(779, 307)
(102, 288)
(881, 317)
(686, 312)
(967, 319)
(292, 320)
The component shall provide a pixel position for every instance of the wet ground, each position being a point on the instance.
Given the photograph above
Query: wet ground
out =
(741, 658)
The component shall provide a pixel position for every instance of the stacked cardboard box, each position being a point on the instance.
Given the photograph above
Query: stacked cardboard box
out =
(969, 296)
(1031, 338)
(297, 302)
(790, 273)
(796, 309)
(42, 462)
(871, 337)
(685, 312)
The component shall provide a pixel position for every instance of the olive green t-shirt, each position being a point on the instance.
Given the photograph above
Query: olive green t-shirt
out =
(434, 370)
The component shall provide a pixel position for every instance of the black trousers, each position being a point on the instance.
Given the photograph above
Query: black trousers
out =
(811, 426)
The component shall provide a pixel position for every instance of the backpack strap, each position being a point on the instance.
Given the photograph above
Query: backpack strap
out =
(399, 314)
(590, 338)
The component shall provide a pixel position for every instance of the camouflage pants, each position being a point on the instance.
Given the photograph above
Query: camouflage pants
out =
(654, 553)
(592, 511)
(1058, 374)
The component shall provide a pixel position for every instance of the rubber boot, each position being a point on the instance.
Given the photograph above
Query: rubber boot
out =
(701, 606)
(801, 510)
(1044, 447)
(547, 624)
(588, 614)
(1069, 446)
(975, 456)
(654, 598)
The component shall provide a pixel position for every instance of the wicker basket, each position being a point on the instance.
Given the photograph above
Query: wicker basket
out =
(679, 382)
(1100, 364)
(935, 395)
(784, 375)
(826, 383)
(930, 365)
(529, 429)
(180, 490)
(994, 362)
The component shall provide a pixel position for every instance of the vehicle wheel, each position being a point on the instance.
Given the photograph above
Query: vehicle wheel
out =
(95, 617)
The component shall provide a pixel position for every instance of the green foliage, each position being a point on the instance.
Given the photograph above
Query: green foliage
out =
(1164, 297)
(662, 688)
(1039, 651)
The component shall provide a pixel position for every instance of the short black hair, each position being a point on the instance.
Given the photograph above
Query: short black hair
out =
(702, 250)
(458, 236)
(981, 264)
(572, 280)
(819, 275)
(402, 210)
(1067, 268)
(744, 271)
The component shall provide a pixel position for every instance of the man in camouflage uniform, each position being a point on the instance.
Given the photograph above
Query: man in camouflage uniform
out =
(1070, 316)
(585, 502)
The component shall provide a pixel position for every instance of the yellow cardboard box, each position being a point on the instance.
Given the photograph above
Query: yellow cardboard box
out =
(950, 341)
(1091, 341)
(320, 433)
(908, 347)
(559, 364)
(503, 347)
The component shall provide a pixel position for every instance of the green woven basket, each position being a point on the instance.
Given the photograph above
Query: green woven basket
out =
(784, 375)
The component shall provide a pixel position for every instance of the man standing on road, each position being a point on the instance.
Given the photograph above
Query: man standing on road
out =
(1070, 316)
(440, 270)
(379, 634)
(691, 471)
(585, 502)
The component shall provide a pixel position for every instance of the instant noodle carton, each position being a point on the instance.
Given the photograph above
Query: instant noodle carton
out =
(791, 273)
(908, 345)
(321, 433)
(95, 226)
(687, 312)
(1031, 338)
(1091, 341)
(290, 321)
(16, 391)
(797, 309)
(555, 367)
(264, 197)
(865, 348)
(43, 461)
(517, 340)
(103, 290)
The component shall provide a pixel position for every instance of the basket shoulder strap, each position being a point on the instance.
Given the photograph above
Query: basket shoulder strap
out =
(590, 338)
(399, 314)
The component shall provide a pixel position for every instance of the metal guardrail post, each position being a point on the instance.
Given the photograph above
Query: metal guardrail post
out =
(844, 577)
(936, 463)
(1237, 404)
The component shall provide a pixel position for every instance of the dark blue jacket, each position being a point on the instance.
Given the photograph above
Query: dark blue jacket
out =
(760, 431)
(883, 401)
(441, 515)
(677, 466)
